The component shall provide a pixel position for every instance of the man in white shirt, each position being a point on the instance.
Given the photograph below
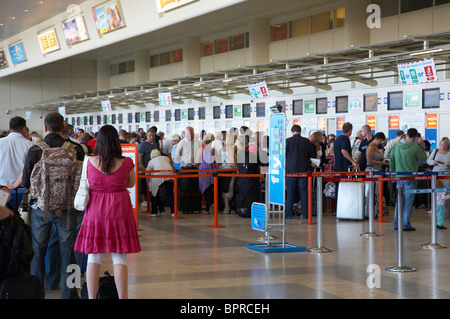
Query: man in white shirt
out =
(187, 149)
(13, 150)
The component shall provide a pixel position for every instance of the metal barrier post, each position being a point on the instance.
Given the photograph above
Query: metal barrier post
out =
(319, 248)
(175, 197)
(310, 188)
(371, 232)
(434, 244)
(400, 267)
(380, 203)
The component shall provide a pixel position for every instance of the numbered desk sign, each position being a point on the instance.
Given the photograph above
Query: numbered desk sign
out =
(259, 216)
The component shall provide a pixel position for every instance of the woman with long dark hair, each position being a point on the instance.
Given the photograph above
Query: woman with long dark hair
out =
(108, 224)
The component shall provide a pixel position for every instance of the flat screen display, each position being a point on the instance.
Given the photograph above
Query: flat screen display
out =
(155, 116)
(260, 109)
(190, 114)
(137, 117)
(431, 98)
(201, 113)
(371, 102)
(395, 101)
(297, 107)
(342, 104)
(168, 115)
(178, 115)
(216, 112)
(229, 111)
(321, 106)
(120, 118)
(130, 117)
(148, 117)
(246, 110)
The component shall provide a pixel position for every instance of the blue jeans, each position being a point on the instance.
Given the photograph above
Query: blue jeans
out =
(408, 203)
(66, 238)
(301, 185)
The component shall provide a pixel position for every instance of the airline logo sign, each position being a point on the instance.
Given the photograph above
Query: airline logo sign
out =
(277, 156)
(418, 72)
(130, 150)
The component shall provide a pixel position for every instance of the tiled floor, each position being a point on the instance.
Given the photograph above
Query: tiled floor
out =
(185, 259)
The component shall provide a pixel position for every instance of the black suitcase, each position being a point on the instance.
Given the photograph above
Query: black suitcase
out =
(106, 288)
(24, 286)
(189, 196)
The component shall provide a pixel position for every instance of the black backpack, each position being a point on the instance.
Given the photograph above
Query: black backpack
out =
(16, 250)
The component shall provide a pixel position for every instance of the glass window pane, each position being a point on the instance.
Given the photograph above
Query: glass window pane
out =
(299, 27)
(339, 18)
(321, 22)
(221, 45)
(278, 32)
(439, 2)
(388, 7)
(237, 42)
(154, 60)
(208, 48)
(412, 5)
(164, 58)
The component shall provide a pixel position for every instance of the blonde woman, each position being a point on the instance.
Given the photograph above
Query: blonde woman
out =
(440, 158)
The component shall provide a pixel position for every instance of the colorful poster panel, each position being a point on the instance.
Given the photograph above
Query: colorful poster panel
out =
(17, 53)
(108, 17)
(75, 30)
(3, 61)
(48, 41)
(166, 5)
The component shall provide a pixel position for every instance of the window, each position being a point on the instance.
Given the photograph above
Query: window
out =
(431, 98)
(164, 58)
(299, 27)
(322, 22)
(260, 109)
(168, 116)
(278, 32)
(322, 104)
(216, 112)
(201, 113)
(121, 68)
(439, 2)
(371, 102)
(388, 7)
(237, 42)
(413, 5)
(177, 56)
(221, 45)
(395, 101)
(339, 18)
(208, 48)
(246, 110)
(342, 104)
(154, 60)
(297, 107)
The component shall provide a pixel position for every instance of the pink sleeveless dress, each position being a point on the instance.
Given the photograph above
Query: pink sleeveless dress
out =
(108, 224)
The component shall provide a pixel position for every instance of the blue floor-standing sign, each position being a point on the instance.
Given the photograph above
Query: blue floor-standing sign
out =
(276, 181)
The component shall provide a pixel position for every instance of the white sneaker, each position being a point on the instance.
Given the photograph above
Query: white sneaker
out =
(226, 210)
(144, 204)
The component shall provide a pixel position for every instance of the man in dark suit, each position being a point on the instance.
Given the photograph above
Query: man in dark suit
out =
(299, 151)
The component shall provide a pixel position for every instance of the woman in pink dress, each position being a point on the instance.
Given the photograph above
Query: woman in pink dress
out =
(108, 224)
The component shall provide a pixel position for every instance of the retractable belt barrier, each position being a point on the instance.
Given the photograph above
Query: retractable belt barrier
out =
(356, 176)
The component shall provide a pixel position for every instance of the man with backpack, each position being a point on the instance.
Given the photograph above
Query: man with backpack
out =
(52, 170)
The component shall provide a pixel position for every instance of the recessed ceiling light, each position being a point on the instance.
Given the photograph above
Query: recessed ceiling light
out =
(26, 10)
(12, 18)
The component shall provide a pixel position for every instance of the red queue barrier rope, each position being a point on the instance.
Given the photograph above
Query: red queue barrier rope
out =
(328, 176)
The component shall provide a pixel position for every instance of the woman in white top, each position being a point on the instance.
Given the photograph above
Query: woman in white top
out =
(440, 159)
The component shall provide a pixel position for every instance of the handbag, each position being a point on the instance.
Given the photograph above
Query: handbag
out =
(81, 200)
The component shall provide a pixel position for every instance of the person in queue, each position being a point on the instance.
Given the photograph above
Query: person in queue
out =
(109, 224)
(405, 157)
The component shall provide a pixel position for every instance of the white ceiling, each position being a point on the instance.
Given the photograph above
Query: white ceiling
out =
(19, 15)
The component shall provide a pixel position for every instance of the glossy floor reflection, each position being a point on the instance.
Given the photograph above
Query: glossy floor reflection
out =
(185, 259)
